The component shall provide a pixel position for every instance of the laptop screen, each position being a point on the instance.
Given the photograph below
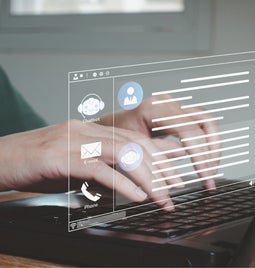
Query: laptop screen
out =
(217, 89)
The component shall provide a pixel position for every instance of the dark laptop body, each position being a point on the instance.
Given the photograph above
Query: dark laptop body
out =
(31, 227)
(245, 256)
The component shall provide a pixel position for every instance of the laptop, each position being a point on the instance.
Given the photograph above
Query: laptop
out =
(94, 226)
(205, 230)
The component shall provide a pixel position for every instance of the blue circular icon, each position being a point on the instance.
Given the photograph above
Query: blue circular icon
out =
(130, 156)
(130, 96)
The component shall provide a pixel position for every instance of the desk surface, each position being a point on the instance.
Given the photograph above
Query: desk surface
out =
(9, 261)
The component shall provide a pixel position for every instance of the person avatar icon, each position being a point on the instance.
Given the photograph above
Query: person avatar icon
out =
(130, 95)
(131, 98)
(75, 77)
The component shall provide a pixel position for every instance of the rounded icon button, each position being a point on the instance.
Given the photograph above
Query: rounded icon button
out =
(91, 105)
(130, 156)
(130, 96)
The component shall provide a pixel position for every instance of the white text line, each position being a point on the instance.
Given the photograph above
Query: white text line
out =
(199, 113)
(199, 154)
(200, 87)
(201, 170)
(215, 134)
(201, 145)
(171, 100)
(214, 77)
(199, 162)
(188, 123)
(187, 182)
(214, 102)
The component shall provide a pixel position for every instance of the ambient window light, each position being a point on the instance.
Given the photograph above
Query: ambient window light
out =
(43, 7)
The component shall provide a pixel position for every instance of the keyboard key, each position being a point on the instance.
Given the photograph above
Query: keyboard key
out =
(166, 225)
(171, 232)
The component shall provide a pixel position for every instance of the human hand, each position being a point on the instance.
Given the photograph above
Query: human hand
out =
(38, 159)
(203, 150)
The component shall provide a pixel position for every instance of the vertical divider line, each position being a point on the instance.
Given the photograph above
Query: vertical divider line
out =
(113, 136)
(68, 153)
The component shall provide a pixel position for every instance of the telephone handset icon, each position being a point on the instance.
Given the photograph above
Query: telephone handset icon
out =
(84, 189)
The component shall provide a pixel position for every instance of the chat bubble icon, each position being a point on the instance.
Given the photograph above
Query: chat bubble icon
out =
(130, 157)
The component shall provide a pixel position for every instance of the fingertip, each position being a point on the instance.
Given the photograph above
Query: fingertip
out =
(140, 194)
(210, 185)
(169, 206)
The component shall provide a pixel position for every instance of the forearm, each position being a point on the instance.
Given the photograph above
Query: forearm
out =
(4, 164)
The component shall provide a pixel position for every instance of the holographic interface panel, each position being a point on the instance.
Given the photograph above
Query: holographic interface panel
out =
(174, 145)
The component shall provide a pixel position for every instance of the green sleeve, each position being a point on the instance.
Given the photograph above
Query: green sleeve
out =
(15, 113)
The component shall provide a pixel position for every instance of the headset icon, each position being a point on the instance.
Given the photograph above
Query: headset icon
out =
(91, 105)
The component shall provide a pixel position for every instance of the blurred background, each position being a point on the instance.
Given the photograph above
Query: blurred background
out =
(42, 40)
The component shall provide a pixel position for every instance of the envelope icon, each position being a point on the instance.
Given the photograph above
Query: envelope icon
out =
(91, 150)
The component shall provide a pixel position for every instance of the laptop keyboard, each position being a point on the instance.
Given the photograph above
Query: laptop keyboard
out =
(193, 212)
